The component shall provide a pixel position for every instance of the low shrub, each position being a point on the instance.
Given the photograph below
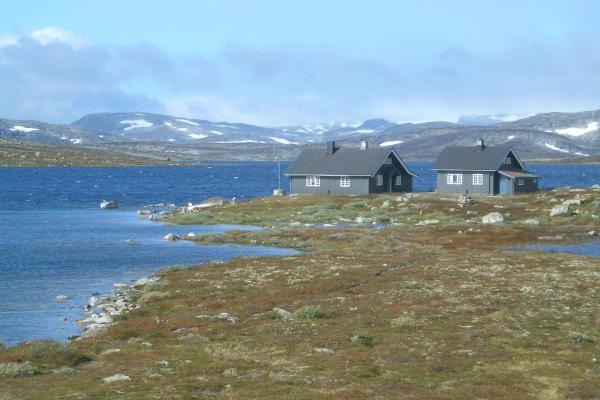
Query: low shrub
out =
(172, 268)
(17, 369)
(53, 353)
(150, 297)
(355, 205)
(308, 311)
(315, 208)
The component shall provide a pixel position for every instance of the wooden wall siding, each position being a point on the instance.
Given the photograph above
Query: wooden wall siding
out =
(331, 185)
(531, 185)
(467, 183)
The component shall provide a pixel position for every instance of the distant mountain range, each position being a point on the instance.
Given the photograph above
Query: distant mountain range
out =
(545, 135)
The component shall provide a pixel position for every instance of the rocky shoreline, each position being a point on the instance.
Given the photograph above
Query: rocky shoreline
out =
(102, 309)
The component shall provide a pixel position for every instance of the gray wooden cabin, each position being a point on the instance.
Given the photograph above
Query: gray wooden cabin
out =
(361, 170)
(482, 169)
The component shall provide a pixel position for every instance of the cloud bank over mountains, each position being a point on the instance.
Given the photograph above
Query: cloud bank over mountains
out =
(55, 75)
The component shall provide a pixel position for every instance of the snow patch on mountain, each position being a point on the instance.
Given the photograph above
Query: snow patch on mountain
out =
(390, 143)
(136, 123)
(25, 129)
(360, 131)
(217, 133)
(555, 148)
(197, 136)
(182, 129)
(281, 140)
(241, 141)
(227, 126)
(511, 137)
(573, 131)
(187, 121)
(75, 141)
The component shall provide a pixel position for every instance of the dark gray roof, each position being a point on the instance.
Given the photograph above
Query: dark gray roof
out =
(351, 162)
(518, 174)
(473, 158)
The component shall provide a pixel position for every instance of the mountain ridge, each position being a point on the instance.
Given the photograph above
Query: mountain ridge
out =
(543, 135)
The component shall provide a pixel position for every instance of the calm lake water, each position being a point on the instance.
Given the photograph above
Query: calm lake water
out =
(54, 240)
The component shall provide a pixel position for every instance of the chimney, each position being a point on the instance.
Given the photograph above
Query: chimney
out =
(480, 143)
(331, 147)
(364, 145)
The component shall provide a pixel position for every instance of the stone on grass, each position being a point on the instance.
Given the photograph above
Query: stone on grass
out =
(569, 202)
(283, 314)
(324, 350)
(561, 209)
(429, 222)
(557, 237)
(120, 285)
(492, 218)
(116, 378)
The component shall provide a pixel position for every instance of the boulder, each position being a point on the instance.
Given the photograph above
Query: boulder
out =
(569, 202)
(283, 314)
(557, 237)
(278, 192)
(116, 378)
(120, 285)
(106, 204)
(492, 218)
(532, 221)
(171, 237)
(429, 222)
(561, 209)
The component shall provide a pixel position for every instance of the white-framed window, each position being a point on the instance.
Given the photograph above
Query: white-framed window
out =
(520, 182)
(398, 180)
(477, 179)
(345, 181)
(388, 160)
(313, 181)
(507, 160)
(379, 180)
(454, 179)
(534, 180)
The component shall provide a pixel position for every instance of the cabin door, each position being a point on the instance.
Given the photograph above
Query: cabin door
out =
(391, 183)
(504, 186)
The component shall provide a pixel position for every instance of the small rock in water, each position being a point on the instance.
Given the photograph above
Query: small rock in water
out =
(106, 205)
(171, 237)
(63, 318)
(116, 378)
(492, 218)
(62, 297)
(120, 285)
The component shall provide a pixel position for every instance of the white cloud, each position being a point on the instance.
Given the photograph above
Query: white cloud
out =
(53, 35)
(9, 39)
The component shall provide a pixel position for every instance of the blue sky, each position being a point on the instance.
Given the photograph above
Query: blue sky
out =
(278, 62)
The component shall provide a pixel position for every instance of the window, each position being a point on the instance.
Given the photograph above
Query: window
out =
(477, 179)
(507, 160)
(379, 180)
(313, 181)
(398, 180)
(345, 181)
(388, 160)
(534, 180)
(454, 179)
(521, 182)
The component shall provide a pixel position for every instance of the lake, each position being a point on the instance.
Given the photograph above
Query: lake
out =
(54, 240)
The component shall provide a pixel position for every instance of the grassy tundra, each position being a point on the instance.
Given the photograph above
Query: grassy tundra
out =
(414, 309)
